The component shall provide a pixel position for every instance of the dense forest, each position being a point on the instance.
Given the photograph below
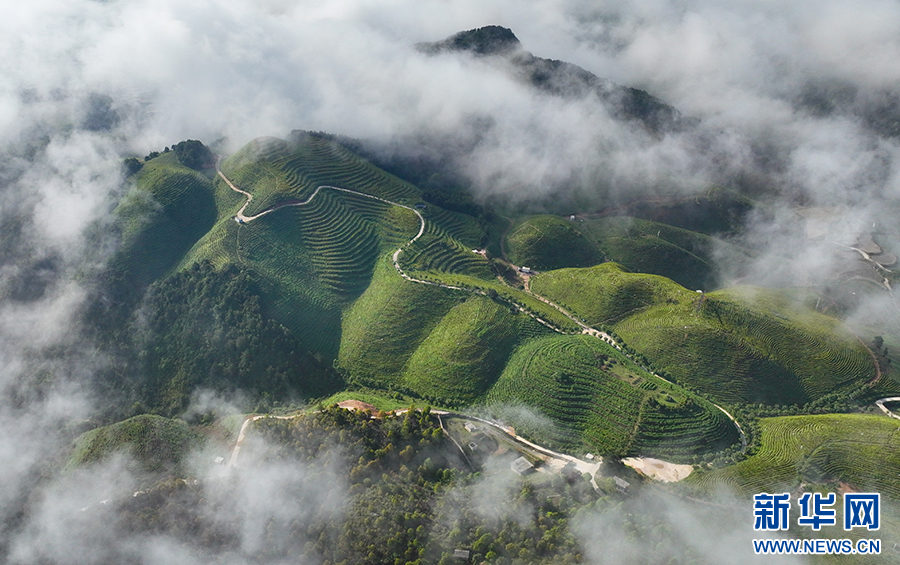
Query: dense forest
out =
(205, 328)
(391, 489)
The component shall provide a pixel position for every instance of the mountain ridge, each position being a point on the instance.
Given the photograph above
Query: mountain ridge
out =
(563, 79)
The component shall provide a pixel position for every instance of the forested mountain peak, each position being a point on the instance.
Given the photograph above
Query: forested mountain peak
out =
(561, 78)
(487, 40)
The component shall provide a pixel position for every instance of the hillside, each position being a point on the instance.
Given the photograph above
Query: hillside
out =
(467, 350)
(352, 280)
(550, 242)
(597, 399)
(765, 344)
(692, 259)
(860, 450)
(154, 443)
(169, 209)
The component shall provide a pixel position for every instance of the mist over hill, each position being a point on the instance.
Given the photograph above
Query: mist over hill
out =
(705, 142)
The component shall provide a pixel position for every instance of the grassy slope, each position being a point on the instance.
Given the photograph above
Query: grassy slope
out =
(156, 443)
(314, 261)
(642, 246)
(384, 327)
(861, 450)
(612, 407)
(326, 275)
(170, 208)
(749, 345)
(465, 353)
(549, 242)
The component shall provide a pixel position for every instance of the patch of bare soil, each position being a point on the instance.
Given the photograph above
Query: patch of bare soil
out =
(657, 469)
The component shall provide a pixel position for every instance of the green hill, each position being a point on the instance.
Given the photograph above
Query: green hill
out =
(466, 351)
(169, 209)
(738, 345)
(549, 242)
(317, 282)
(598, 400)
(315, 260)
(155, 443)
(382, 329)
(861, 450)
(641, 246)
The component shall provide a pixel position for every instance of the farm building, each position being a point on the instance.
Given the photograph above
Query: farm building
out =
(621, 484)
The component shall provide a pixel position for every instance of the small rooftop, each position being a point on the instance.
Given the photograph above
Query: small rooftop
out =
(521, 466)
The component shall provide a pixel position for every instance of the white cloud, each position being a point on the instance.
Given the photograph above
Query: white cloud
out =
(176, 69)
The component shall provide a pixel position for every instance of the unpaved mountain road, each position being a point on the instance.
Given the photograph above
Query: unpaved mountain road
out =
(880, 404)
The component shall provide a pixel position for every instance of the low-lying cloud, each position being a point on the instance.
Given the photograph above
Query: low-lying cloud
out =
(800, 105)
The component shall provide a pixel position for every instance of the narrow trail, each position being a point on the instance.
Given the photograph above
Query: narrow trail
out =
(395, 258)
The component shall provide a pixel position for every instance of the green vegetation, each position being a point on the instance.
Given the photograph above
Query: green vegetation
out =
(385, 326)
(606, 294)
(549, 242)
(857, 449)
(599, 400)
(156, 444)
(738, 345)
(279, 171)
(642, 246)
(466, 351)
(314, 285)
(170, 208)
(437, 253)
(496, 290)
(193, 154)
(205, 328)
(396, 491)
(381, 400)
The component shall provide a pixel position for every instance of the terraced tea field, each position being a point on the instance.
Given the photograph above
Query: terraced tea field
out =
(330, 232)
(861, 450)
(437, 252)
(385, 326)
(598, 400)
(170, 209)
(466, 351)
(762, 345)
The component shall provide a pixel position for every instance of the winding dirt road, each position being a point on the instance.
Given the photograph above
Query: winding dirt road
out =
(243, 433)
